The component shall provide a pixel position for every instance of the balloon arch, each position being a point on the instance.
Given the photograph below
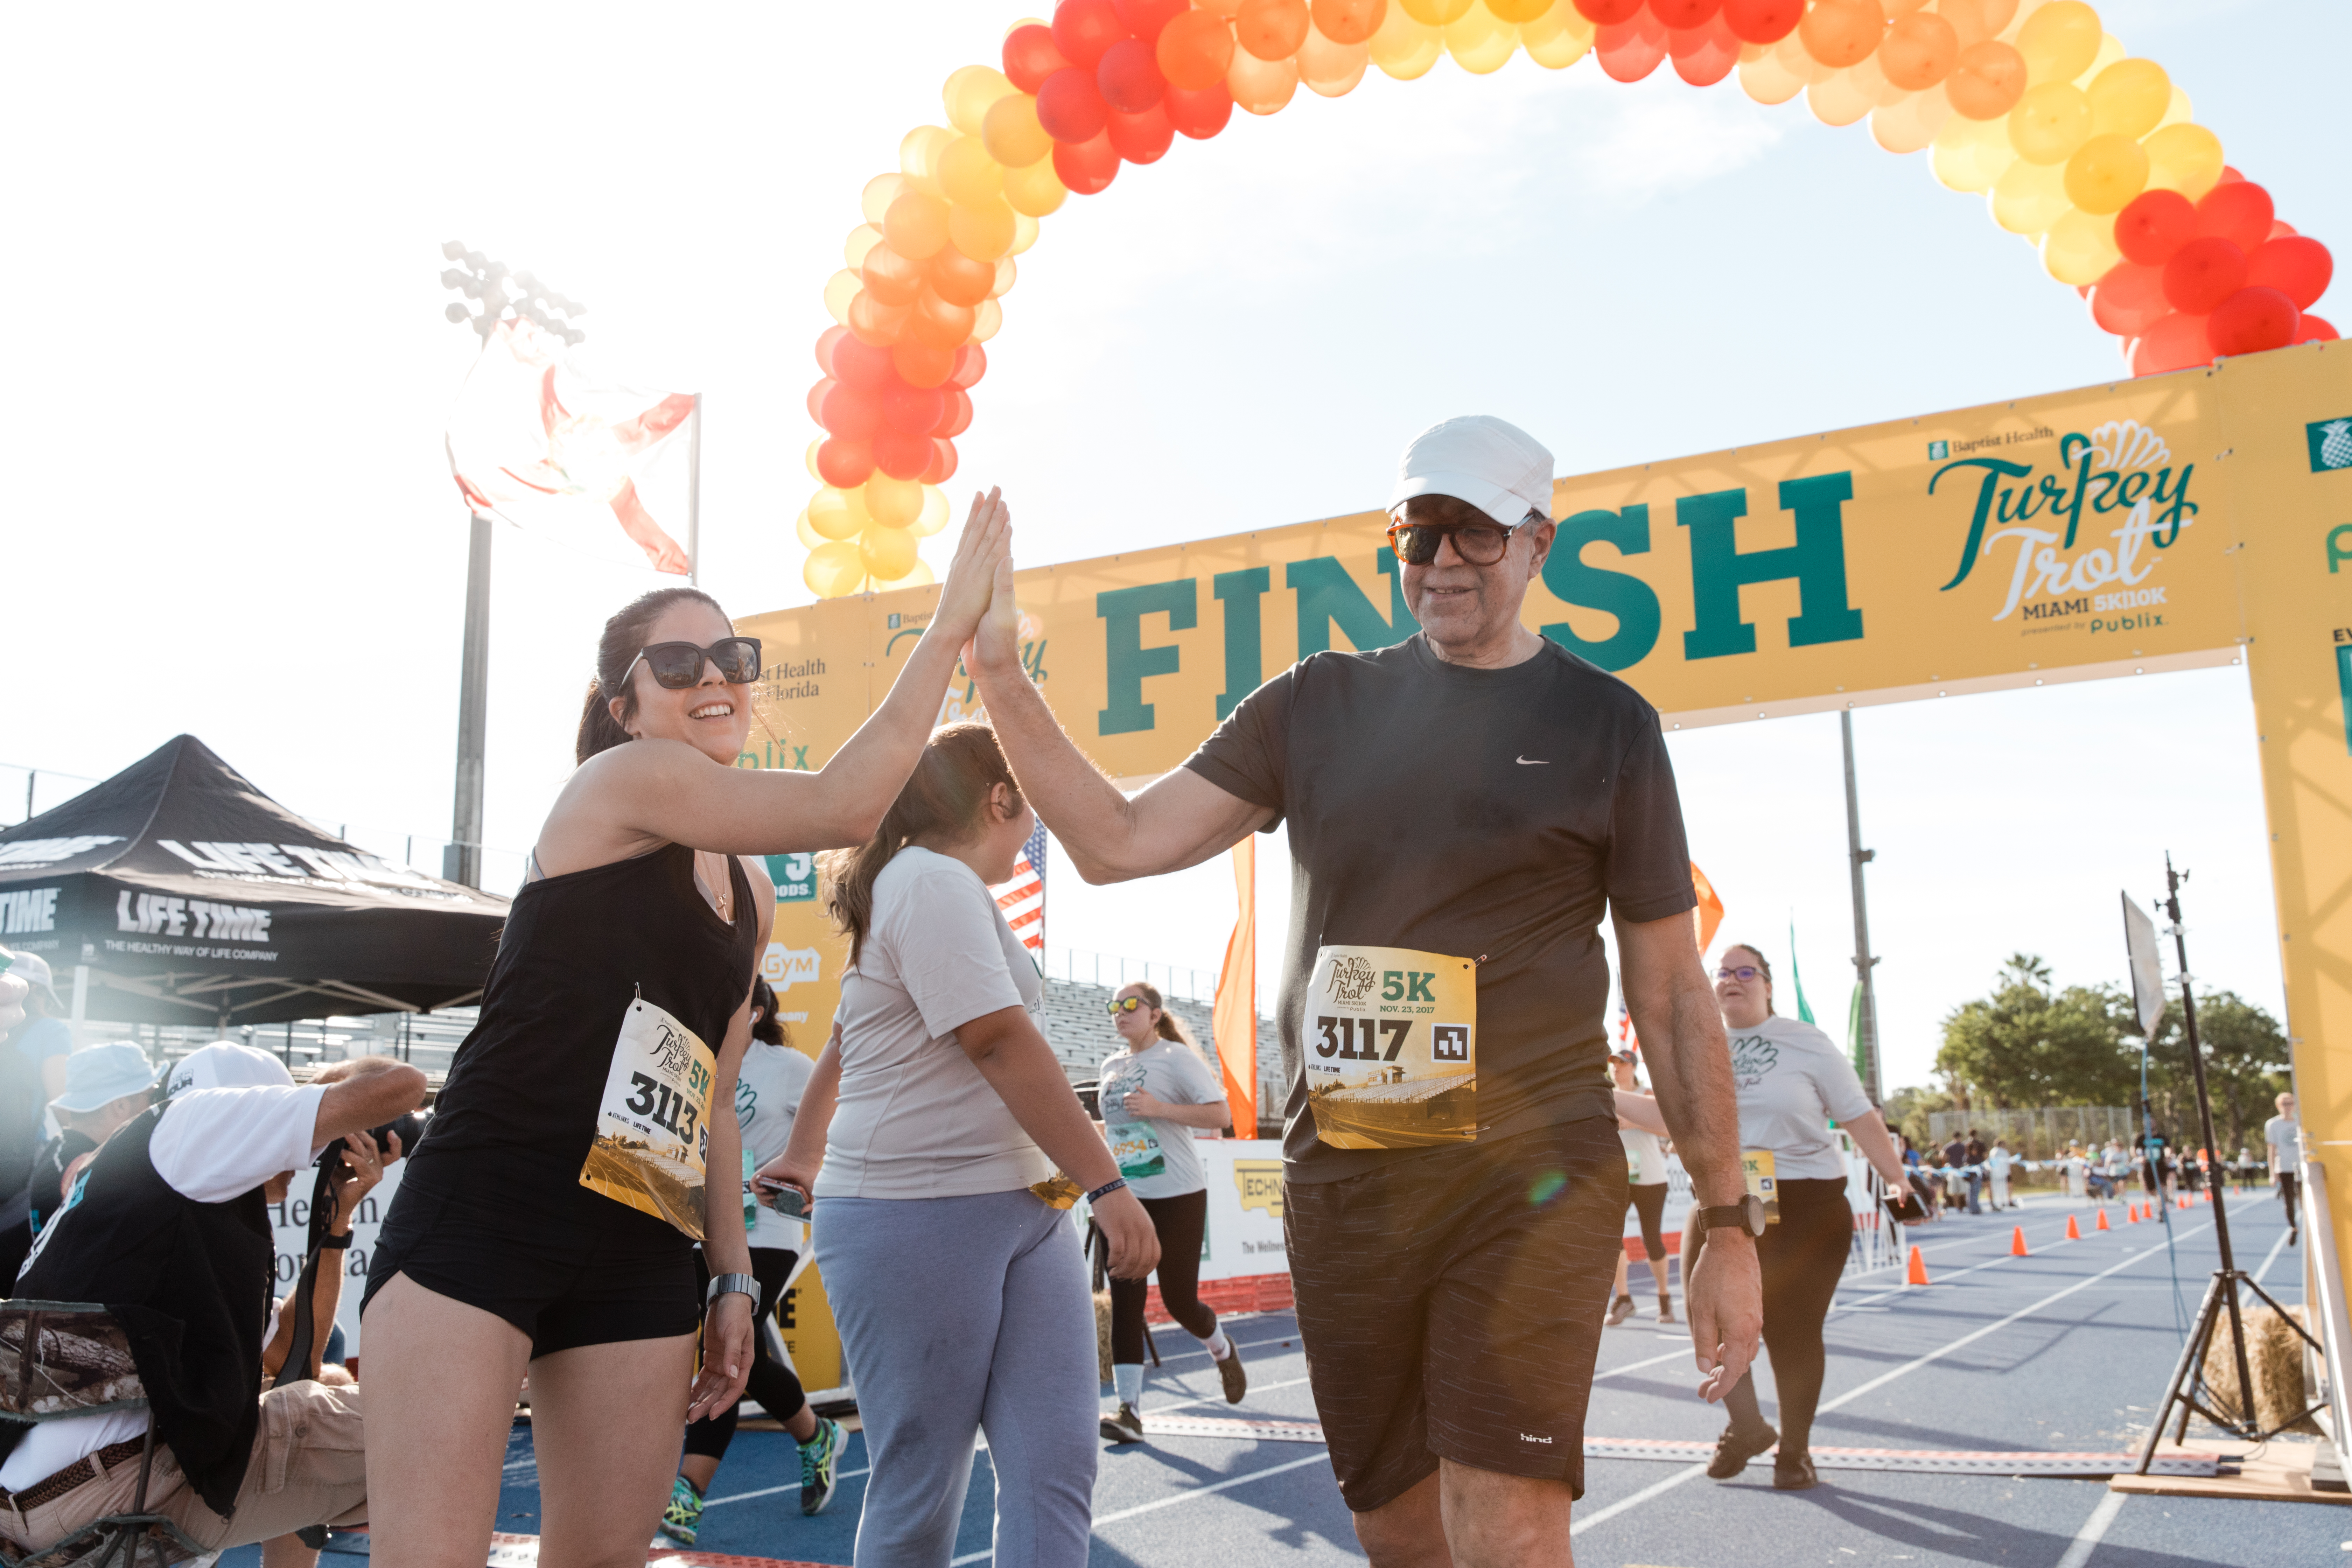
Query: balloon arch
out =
(2090, 155)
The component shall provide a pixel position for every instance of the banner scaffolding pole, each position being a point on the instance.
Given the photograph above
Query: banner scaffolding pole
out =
(1866, 1012)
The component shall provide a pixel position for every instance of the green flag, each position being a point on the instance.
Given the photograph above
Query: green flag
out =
(1853, 1035)
(1804, 1009)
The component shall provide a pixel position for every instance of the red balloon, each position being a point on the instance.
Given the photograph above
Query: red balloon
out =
(2251, 320)
(1129, 77)
(914, 409)
(861, 364)
(2297, 267)
(824, 346)
(901, 453)
(1607, 11)
(1087, 167)
(2174, 343)
(2315, 330)
(955, 416)
(970, 364)
(2239, 212)
(2129, 300)
(1083, 29)
(845, 464)
(1198, 114)
(817, 398)
(2153, 225)
(1680, 14)
(2203, 273)
(1140, 138)
(1030, 56)
(849, 413)
(1144, 18)
(1705, 55)
(1762, 21)
(943, 465)
(1070, 107)
(1628, 51)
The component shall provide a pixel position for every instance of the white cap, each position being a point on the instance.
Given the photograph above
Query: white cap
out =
(1493, 464)
(225, 1063)
(33, 970)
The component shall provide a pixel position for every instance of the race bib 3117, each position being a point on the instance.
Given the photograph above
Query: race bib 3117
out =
(1389, 1040)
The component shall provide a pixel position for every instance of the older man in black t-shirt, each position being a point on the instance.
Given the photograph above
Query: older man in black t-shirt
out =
(1463, 808)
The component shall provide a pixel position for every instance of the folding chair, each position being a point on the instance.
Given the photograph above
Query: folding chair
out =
(60, 1358)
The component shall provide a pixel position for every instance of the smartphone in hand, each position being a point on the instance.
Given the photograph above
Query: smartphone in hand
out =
(1905, 1210)
(784, 1199)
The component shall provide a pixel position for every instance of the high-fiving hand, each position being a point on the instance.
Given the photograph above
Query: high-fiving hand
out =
(984, 546)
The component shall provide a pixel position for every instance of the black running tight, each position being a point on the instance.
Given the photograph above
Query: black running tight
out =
(1180, 1222)
(1802, 1257)
(772, 1384)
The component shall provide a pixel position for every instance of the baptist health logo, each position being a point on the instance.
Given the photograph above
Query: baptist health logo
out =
(2331, 444)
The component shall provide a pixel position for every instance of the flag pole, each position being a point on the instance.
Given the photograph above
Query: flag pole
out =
(694, 495)
(1866, 1000)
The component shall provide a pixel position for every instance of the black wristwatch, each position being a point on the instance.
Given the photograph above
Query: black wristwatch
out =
(1747, 1215)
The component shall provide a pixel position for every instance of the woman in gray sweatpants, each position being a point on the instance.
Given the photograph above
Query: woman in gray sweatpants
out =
(932, 1115)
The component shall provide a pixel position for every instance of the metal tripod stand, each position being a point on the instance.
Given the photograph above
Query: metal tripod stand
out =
(2187, 1393)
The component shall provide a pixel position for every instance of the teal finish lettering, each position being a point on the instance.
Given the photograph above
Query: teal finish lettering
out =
(1720, 569)
(1244, 647)
(2178, 508)
(1995, 470)
(1125, 661)
(1328, 596)
(1619, 593)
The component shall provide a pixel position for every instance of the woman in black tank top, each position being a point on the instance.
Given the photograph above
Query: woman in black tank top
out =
(643, 897)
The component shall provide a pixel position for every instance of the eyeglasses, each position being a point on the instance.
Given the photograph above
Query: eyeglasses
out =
(678, 665)
(1125, 1004)
(1745, 972)
(1478, 543)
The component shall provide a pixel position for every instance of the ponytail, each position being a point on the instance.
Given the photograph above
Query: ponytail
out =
(945, 795)
(624, 639)
(1170, 1026)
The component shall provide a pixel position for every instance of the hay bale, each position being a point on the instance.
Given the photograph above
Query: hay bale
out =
(2274, 1356)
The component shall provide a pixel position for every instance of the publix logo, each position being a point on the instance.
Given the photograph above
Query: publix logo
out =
(2048, 533)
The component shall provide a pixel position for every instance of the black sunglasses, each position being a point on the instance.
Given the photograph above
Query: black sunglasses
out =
(1478, 543)
(678, 665)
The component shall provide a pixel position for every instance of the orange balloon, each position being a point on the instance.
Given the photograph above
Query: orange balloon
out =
(1840, 33)
(1918, 51)
(1987, 80)
(1355, 21)
(916, 225)
(959, 280)
(1517, 11)
(890, 278)
(1195, 49)
(920, 364)
(875, 322)
(1977, 20)
(1271, 29)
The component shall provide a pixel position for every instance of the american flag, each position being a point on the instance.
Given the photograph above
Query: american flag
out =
(1022, 898)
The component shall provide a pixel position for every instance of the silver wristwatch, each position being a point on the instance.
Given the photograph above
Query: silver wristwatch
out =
(742, 1284)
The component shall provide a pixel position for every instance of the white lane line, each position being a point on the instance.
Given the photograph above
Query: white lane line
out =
(1577, 1526)
(2276, 1247)
(2094, 1529)
(1185, 1496)
(1219, 1398)
(1638, 1365)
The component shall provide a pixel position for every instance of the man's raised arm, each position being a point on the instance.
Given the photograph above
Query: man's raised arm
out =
(1181, 820)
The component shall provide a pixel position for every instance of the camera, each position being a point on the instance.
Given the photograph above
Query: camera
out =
(410, 1128)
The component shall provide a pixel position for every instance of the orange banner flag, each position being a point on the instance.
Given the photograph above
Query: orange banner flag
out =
(1709, 913)
(1236, 1015)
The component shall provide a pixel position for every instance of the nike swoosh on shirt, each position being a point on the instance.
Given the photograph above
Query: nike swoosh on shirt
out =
(1534, 762)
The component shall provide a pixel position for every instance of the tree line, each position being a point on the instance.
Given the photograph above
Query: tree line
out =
(2029, 1044)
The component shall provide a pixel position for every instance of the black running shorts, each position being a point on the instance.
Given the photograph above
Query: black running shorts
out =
(1450, 1304)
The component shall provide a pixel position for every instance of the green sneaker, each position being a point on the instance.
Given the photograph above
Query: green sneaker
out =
(819, 1455)
(683, 1518)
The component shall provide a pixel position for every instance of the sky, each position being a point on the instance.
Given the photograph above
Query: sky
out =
(231, 373)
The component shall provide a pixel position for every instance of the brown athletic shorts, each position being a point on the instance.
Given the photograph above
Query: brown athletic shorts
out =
(1450, 1304)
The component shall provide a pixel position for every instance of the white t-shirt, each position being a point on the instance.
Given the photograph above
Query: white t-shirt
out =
(211, 1146)
(1157, 1157)
(1998, 1160)
(767, 1097)
(1792, 1081)
(915, 1119)
(1646, 1159)
(2280, 1133)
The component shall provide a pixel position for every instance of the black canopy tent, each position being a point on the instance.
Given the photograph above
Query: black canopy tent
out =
(176, 892)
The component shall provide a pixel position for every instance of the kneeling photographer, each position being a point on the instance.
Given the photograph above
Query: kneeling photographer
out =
(169, 1226)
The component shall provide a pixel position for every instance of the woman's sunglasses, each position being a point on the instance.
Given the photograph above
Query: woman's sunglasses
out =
(1744, 971)
(1478, 543)
(678, 665)
(1125, 1004)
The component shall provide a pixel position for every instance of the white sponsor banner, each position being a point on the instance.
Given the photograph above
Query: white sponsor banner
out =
(291, 1221)
(1245, 1176)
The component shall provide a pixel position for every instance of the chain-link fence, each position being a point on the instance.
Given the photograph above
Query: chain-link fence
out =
(2042, 1133)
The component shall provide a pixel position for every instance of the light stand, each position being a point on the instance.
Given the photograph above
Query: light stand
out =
(2188, 1385)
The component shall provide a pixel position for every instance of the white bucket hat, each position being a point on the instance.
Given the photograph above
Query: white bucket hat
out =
(1490, 463)
(104, 1074)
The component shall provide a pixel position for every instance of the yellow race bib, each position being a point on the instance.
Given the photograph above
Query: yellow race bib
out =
(1756, 1164)
(1390, 1039)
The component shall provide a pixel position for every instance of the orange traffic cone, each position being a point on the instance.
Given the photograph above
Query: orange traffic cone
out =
(2074, 1231)
(2102, 1221)
(1917, 1273)
(2017, 1243)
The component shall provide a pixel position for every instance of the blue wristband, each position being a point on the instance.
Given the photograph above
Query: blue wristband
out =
(1114, 1184)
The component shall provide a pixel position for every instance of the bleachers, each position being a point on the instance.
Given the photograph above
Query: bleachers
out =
(1078, 1022)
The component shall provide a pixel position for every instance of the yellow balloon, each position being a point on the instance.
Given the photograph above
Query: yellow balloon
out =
(2029, 197)
(1261, 86)
(918, 156)
(1405, 48)
(2106, 172)
(1434, 13)
(934, 515)
(1912, 122)
(837, 514)
(839, 290)
(968, 174)
(1012, 134)
(1007, 270)
(2184, 158)
(892, 503)
(919, 577)
(1764, 79)
(917, 224)
(810, 537)
(1025, 233)
(1519, 13)
(987, 320)
(1480, 41)
(1971, 154)
(1036, 190)
(879, 193)
(2060, 41)
(1557, 38)
(832, 571)
(2080, 246)
(809, 457)
(888, 552)
(862, 239)
(2051, 120)
(968, 95)
(2129, 98)
(2111, 52)
(2180, 111)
